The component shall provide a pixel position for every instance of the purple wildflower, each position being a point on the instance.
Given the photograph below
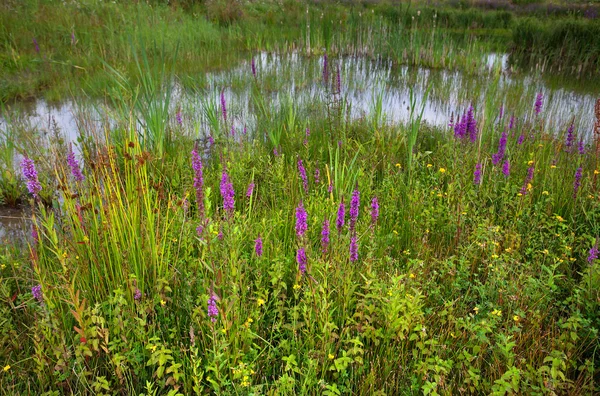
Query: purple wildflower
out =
(303, 176)
(325, 70)
(301, 220)
(275, 152)
(506, 168)
(353, 249)
(451, 123)
(306, 136)
(220, 234)
(253, 65)
(30, 174)
(301, 260)
(374, 210)
(341, 217)
(211, 140)
(223, 106)
(460, 127)
(198, 180)
(317, 176)
(330, 188)
(258, 246)
(471, 125)
(570, 137)
(137, 295)
(501, 112)
(200, 229)
(325, 236)
(34, 235)
(250, 190)
(593, 253)
(577, 182)
(36, 46)
(538, 103)
(511, 123)
(74, 165)
(179, 118)
(527, 181)
(354, 206)
(521, 139)
(496, 158)
(232, 131)
(227, 193)
(581, 147)
(213, 311)
(36, 291)
(477, 175)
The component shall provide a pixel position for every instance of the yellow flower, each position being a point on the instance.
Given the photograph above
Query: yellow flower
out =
(516, 318)
(494, 256)
(529, 186)
(545, 193)
(260, 302)
(330, 356)
(540, 145)
(440, 195)
(85, 238)
(545, 251)
(552, 166)
(530, 162)
(429, 165)
(224, 331)
(395, 232)
(163, 302)
(497, 312)
(7, 367)
(508, 250)
(398, 166)
(412, 276)
(519, 194)
(559, 218)
(296, 286)
(596, 171)
(442, 170)
(476, 309)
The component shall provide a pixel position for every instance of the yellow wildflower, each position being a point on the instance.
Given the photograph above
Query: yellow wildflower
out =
(395, 232)
(7, 367)
(260, 302)
(163, 302)
(330, 356)
(497, 312)
(545, 193)
(545, 251)
(530, 162)
(494, 256)
(429, 165)
(559, 218)
(442, 170)
(552, 166)
(596, 171)
(398, 166)
(412, 276)
(516, 318)
(296, 286)
(476, 309)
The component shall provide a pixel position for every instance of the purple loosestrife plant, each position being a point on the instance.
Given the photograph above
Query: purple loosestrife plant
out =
(212, 310)
(36, 291)
(179, 118)
(527, 181)
(497, 157)
(301, 221)
(31, 177)
(539, 101)
(250, 190)
(325, 231)
(198, 180)
(74, 165)
(341, 217)
(593, 254)
(581, 147)
(258, 246)
(223, 106)
(460, 127)
(353, 249)
(477, 175)
(301, 260)
(501, 112)
(521, 139)
(354, 206)
(317, 176)
(137, 295)
(511, 123)
(227, 193)
(506, 168)
(471, 125)
(570, 137)
(303, 176)
(577, 181)
(374, 210)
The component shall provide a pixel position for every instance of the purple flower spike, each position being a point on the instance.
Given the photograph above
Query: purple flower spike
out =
(36, 291)
(539, 100)
(227, 193)
(577, 182)
(471, 125)
(570, 137)
(354, 206)
(303, 176)
(301, 221)
(317, 176)
(477, 175)
(527, 181)
(179, 118)
(353, 249)
(521, 139)
(31, 176)
(74, 165)
(213, 311)
(593, 253)
(325, 236)
(497, 157)
(301, 260)
(374, 210)
(581, 147)
(253, 65)
(223, 106)
(198, 180)
(501, 112)
(250, 190)
(341, 217)
(506, 168)
(511, 123)
(258, 246)
(137, 295)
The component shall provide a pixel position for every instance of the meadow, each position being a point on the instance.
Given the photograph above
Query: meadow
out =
(254, 200)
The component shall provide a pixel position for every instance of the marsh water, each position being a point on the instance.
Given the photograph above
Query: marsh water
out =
(365, 85)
